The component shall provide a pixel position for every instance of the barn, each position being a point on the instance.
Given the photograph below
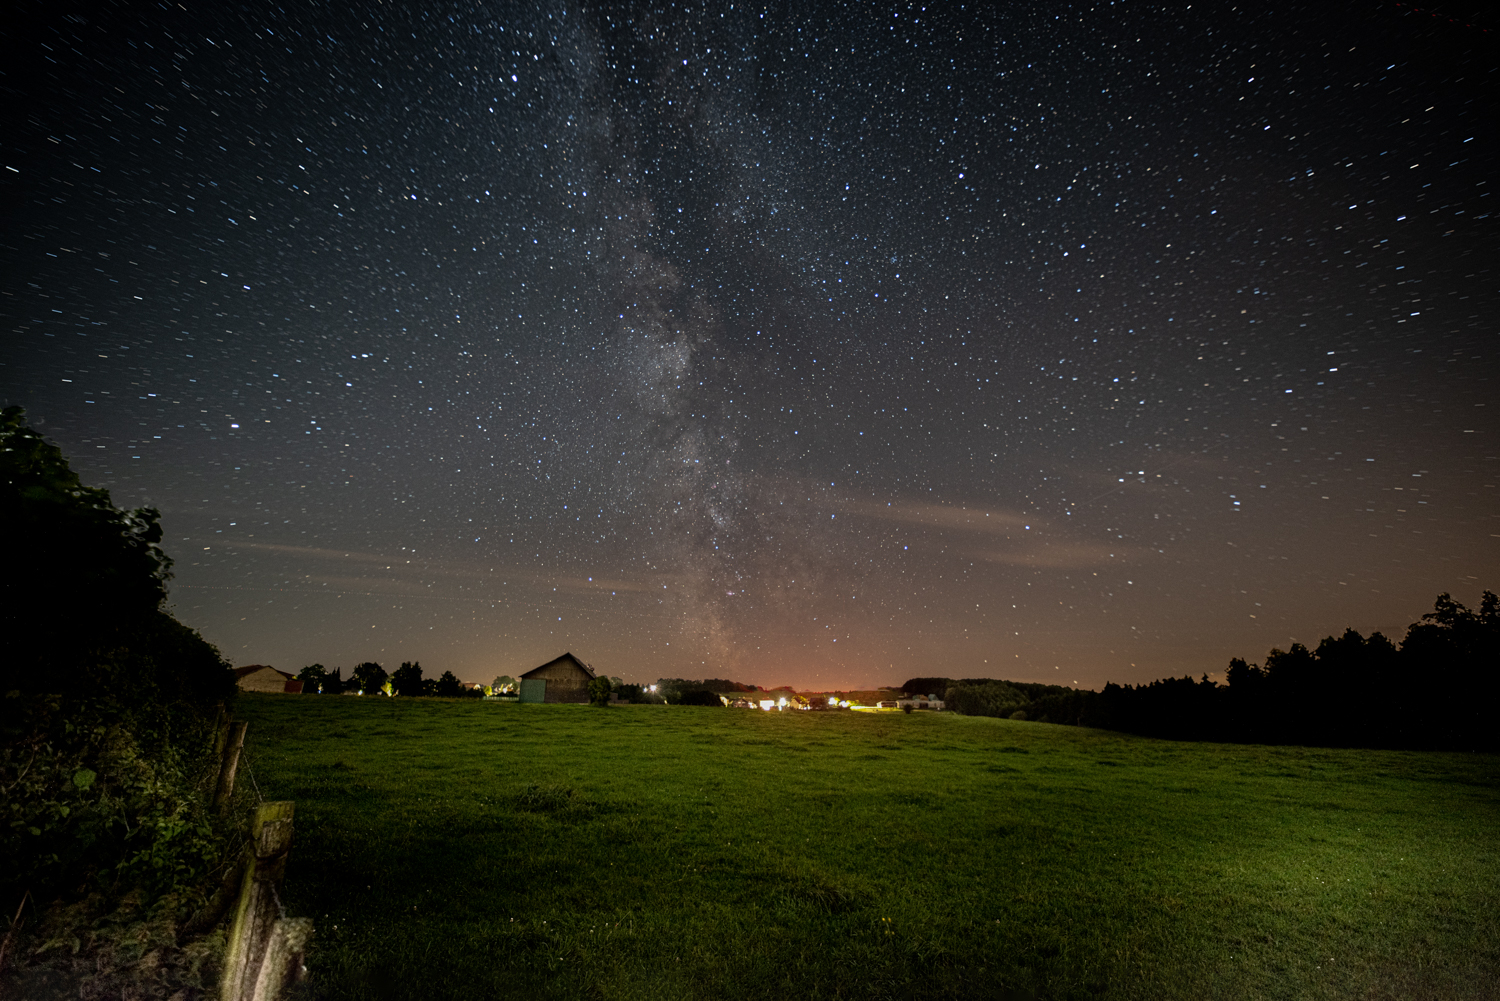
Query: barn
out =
(260, 678)
(565, 679)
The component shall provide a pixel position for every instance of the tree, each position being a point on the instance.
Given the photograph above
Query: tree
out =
(312, 677)
(81, 608)
(333, 684)
(983, 697)
(1242, 676)
(407, 679)
(935, 687)
(599, 689)
(369, 678)
(448, 686)
(111, 705)
(720, 686)
(1461, 647)
(504, 683)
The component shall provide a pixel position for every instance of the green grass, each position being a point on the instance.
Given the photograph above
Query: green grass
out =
(479, 850)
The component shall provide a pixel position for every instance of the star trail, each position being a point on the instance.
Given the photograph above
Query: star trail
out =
(818, 344)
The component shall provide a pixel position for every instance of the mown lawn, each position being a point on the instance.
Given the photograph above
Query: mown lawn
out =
(472, 849)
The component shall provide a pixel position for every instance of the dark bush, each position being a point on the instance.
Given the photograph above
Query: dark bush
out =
(599, 690)
(109, 707)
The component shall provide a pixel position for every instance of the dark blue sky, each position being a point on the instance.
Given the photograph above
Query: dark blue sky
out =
(813, 343)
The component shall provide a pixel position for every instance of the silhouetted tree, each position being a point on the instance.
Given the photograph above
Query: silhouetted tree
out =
(110, 704)
(1455, 653)
(406, 680)
(312, 677)
(635, 694)
(369, 678)
(81, 606)
(448, 686)
(936, 687)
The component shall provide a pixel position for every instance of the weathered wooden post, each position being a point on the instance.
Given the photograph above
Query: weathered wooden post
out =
(282, 965)
(229, 763)
(265, 949)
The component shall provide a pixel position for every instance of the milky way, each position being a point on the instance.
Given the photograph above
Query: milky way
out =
(819, 344)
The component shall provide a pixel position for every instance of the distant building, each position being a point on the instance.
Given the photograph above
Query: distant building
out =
(565, 679)
(261, 678)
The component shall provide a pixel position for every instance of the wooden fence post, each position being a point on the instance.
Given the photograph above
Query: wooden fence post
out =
(282, 965)
(229, 764)
(265, 949)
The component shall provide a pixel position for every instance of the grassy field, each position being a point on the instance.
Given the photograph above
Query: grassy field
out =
(478, 850)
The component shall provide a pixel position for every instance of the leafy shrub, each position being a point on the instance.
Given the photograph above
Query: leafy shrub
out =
(599, 691)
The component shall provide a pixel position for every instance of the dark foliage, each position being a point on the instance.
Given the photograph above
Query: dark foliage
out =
(723, 686)
(673, 689)
(313, 678)
(935, 687)
(1436, 691)
(448, 686)
(368, 677)
(599, 690)
(109, 707)
(406, 680)
(698, 698)
(636, 694)
(984, 698)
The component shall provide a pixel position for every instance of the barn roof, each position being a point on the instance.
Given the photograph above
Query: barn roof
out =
(241, 672)
(565, 658)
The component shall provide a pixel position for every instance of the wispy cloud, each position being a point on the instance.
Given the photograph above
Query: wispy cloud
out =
(998, 535)
(992, 521)
(1058, 554)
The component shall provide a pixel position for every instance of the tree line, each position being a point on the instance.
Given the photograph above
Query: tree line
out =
(407, 681)
(369, 678)
(1434, 690)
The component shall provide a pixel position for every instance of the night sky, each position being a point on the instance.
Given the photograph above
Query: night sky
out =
(808, 343)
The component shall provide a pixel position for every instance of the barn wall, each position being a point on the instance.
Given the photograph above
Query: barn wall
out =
(569, 690)
(264, 681)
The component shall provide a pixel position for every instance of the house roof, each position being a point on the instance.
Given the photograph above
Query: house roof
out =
(565, 658)
(241, 672)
